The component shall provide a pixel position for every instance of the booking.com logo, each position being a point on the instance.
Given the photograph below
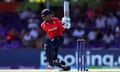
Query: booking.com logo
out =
(91, 59)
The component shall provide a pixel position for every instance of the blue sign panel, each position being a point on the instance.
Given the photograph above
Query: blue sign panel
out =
(36, 57)
(20, 57)
(107, 58)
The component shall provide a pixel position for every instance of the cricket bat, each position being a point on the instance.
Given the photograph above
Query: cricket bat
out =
(66, 21)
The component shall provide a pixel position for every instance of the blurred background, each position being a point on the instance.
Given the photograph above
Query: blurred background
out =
(21, 38)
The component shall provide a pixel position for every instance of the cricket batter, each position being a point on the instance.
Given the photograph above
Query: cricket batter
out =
(54, 29)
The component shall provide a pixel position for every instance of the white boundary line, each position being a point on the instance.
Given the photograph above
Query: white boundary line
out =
(43, 70)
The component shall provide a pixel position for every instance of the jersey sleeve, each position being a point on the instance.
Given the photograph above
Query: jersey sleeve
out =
(60, 25)
(43, 26)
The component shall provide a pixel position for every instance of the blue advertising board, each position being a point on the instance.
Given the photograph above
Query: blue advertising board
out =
(19, 57)
(36, 57)
(102, 57)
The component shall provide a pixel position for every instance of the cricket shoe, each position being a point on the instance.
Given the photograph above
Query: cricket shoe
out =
(49, 67)
(61, 64)
(65, 68)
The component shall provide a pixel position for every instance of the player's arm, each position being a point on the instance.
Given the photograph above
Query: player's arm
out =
(61, 27)
(42, 26)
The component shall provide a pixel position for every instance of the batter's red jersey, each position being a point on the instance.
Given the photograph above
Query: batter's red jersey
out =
(53, 28)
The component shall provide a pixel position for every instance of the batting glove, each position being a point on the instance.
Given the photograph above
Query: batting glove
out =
(66, 22)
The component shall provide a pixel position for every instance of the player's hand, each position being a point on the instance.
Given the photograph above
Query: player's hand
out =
(66, 22)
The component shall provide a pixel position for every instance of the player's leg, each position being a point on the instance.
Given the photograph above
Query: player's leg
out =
(58, 41)
(49, 52)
